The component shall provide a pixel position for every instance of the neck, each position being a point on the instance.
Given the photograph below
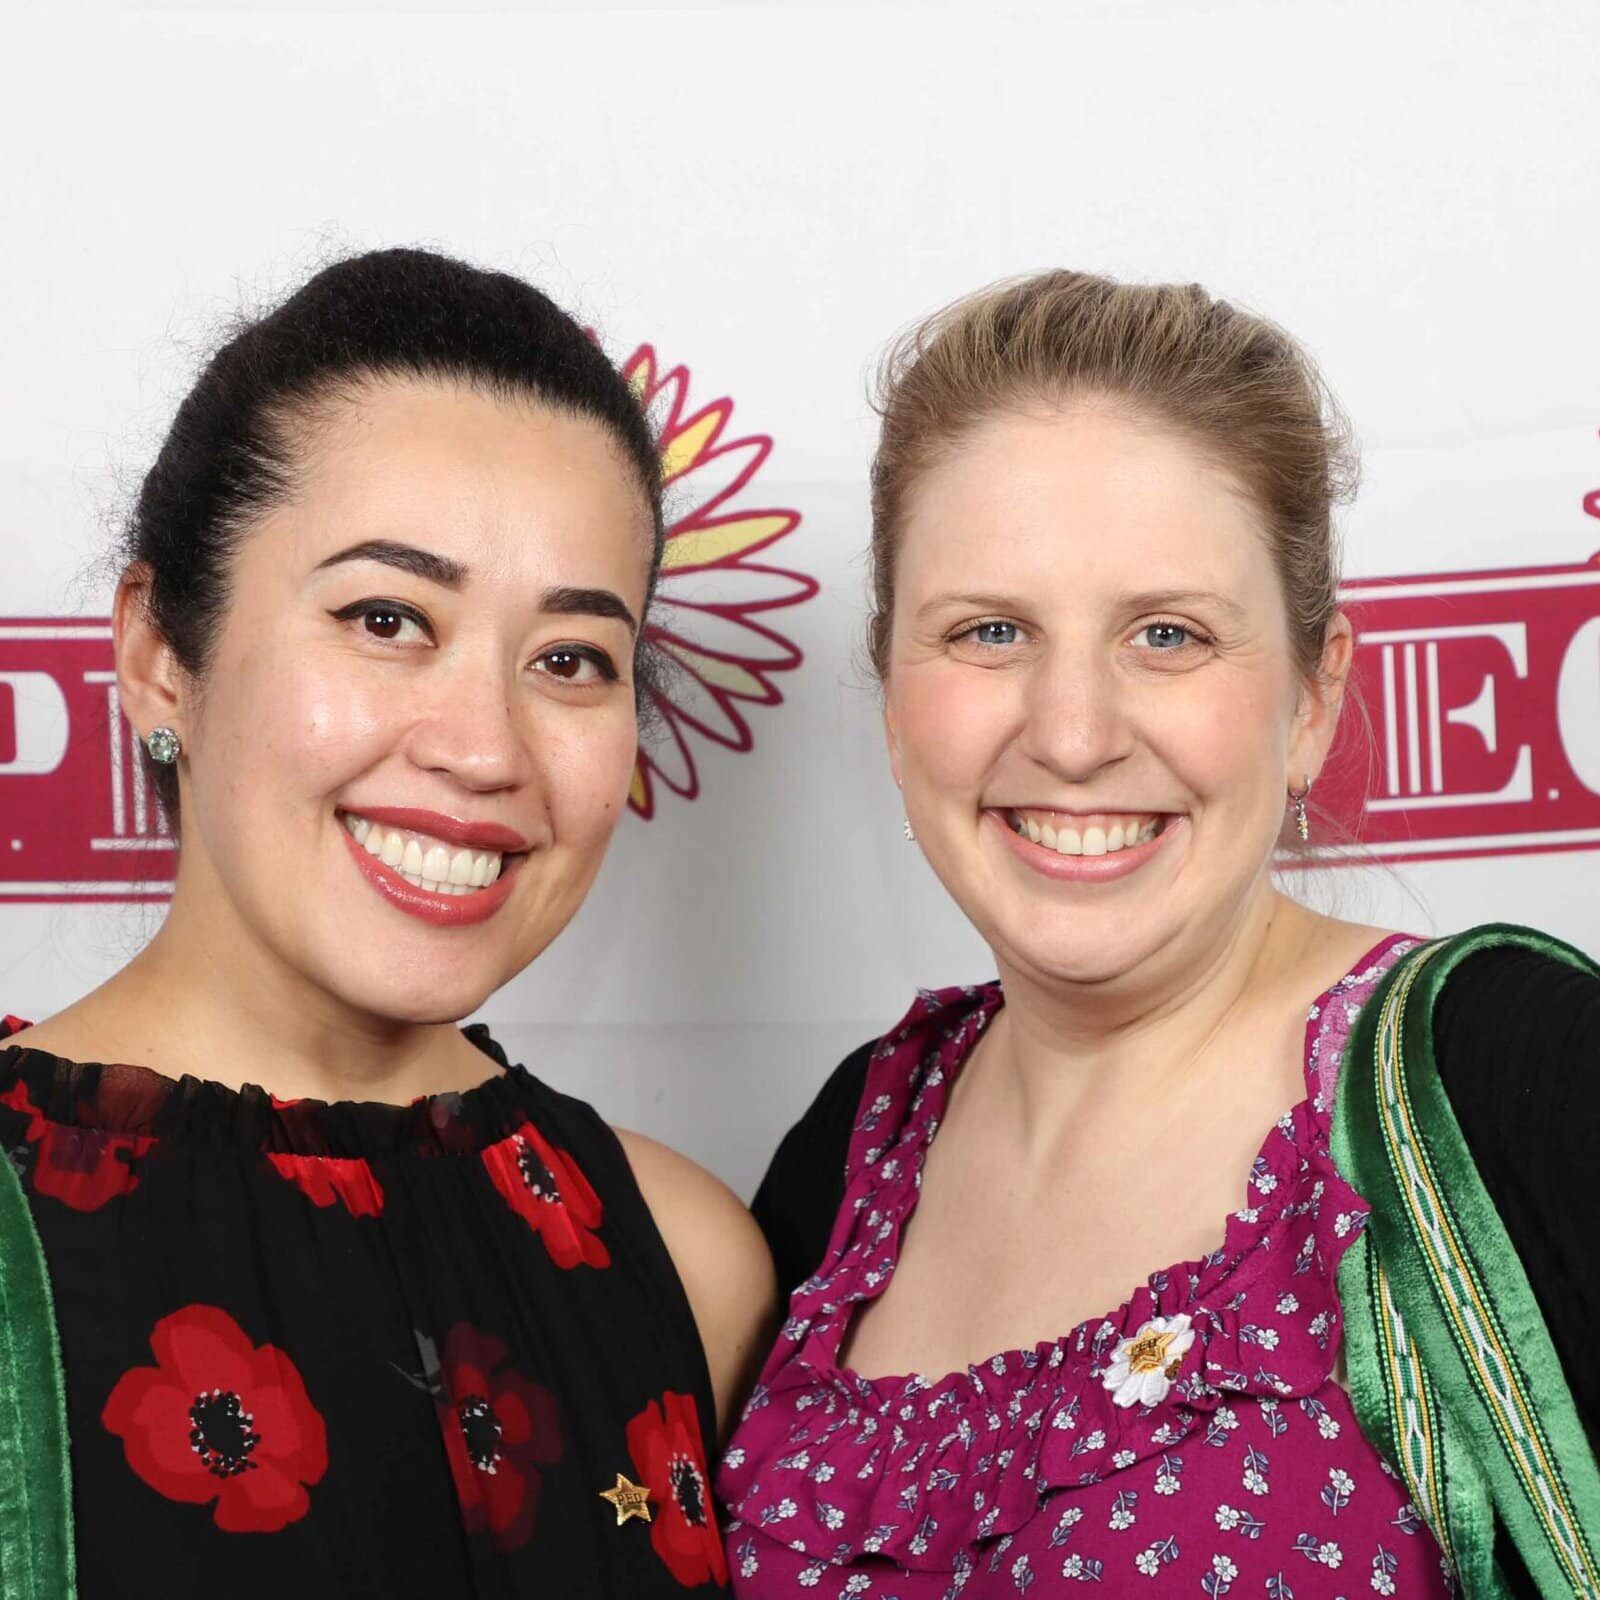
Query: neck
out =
(208, 999)
(1140, 1041)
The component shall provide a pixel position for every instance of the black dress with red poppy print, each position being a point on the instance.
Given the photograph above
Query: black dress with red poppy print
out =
(353, 1349)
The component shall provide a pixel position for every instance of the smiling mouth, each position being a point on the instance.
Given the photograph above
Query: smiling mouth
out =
(1100, 833)
(425, 862)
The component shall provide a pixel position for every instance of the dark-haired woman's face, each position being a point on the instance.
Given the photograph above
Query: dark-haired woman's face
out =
(417, 732)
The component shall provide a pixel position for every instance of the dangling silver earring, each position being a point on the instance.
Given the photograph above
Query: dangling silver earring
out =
(909, 834)
(1302, 822)
(164, 746)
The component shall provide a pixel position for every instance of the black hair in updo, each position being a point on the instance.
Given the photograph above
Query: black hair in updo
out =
(230, 455)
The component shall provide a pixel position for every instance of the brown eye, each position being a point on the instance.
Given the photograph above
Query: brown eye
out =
(573, 665)
(384, 624)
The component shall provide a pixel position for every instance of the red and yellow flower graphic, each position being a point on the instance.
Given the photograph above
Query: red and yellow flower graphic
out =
(708, 622)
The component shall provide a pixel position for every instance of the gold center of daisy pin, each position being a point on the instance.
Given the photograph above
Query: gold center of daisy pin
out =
(630, 1500)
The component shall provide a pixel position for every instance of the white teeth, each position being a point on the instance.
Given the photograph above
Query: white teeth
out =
(428, 863)
(1097, 839)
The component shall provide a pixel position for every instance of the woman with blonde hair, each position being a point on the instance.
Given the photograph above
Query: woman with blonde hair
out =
(1219, 1245)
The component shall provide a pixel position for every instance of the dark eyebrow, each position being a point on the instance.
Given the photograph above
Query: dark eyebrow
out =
(561, 602)
(441, 570)
(587, 603)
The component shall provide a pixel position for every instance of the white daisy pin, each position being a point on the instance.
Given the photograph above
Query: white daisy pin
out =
(1143, 1367)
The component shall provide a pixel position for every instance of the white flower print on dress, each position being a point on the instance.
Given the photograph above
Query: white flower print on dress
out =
(1143, 1368)
(1025, 1476)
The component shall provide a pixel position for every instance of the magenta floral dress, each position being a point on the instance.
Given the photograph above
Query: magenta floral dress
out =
(1192, 1441)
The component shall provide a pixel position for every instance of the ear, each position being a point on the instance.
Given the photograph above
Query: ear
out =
(891, 735)
(149, 678)
(1317, 716)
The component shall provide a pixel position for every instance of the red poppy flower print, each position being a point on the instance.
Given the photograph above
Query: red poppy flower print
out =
(329, 1180)
(218, 1418)
(499, 1428)
(664, 1441)
(544, 1186)
(81, 1167)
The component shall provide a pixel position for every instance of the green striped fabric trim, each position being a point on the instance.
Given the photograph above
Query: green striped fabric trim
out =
(1455, 1301)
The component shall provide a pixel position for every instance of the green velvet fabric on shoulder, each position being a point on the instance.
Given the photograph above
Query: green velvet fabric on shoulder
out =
(1451, 1369)
(37, 1553)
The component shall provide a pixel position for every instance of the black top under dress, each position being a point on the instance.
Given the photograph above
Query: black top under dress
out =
(1515, 1036)
(356, 1349)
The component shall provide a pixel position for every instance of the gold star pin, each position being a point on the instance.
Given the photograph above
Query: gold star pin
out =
(630, 1499)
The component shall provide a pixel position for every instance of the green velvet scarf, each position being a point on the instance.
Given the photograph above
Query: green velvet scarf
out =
(1451, 1369)
(37, 1555)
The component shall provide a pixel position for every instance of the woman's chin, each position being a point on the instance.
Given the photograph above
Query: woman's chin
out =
(440, 999)
(1093, 949)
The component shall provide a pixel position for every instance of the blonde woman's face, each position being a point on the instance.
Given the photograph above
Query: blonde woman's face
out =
(1092, 702)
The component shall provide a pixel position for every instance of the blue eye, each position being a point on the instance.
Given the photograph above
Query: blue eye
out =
(995, 633)
(1166, 636)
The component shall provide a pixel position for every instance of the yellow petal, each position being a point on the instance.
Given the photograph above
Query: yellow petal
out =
(685, 447)
(640, 371)
(727, 675)
(702, 547)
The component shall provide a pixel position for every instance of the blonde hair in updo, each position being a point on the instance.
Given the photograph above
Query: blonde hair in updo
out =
(1233, 383)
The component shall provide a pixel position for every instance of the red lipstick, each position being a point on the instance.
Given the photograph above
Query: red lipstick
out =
(442, 910)
(469, 835)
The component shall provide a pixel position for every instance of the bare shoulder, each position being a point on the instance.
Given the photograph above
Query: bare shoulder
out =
(720, 1256)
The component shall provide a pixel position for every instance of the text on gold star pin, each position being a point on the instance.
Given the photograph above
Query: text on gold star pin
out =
(630, 1499)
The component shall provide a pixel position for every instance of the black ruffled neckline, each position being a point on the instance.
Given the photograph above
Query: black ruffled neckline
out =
(122, 1098)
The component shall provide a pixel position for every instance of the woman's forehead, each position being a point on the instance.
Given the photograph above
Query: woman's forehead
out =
(1083, 498)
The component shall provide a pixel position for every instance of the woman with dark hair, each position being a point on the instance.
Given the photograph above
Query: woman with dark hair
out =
(326, 1297)
(1219, 1246)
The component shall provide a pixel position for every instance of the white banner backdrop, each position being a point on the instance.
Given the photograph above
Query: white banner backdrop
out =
(762, 195)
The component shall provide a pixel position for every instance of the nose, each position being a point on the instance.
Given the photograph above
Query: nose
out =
(473, 729)
(1076, 719)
